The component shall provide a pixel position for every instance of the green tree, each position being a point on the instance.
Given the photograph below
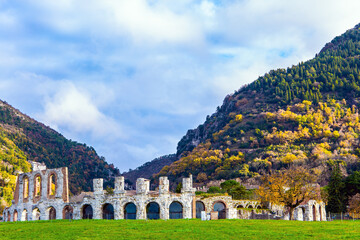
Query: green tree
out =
(336, 191)
(228, 185)
(239, 192)
(214, 189)
(352, 184)
(178, 188)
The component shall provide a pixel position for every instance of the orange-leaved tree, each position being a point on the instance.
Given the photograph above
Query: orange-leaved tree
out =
(354, 204)
(288, 188)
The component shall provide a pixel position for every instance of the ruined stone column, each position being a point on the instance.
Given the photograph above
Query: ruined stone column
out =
(44, 187)
(187, 192)
(119, 185)
(142, 186)
(98, 185)
(163, 185)
(187, 185)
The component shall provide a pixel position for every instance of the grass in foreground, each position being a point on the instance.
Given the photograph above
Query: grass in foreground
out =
(180, 229)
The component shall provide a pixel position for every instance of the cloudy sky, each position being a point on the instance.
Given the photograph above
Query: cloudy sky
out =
(129, 77)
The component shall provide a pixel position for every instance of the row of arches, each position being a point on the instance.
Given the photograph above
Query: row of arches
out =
(51, 188)
(36, 214)
(218, 206)
(130, 211)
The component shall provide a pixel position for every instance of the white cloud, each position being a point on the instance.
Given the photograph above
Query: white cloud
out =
(126, 76)
(136, 20)
(73, 109)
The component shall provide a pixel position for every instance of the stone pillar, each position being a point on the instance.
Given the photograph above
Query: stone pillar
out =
(44, 187)
(187, 185)
(142, 186)
(194, 207)
(59, 183)
(31, 188)
(163, 185)
(119, 185)
(21, 189)
(187, 209)
(98, 186)
(141, 209)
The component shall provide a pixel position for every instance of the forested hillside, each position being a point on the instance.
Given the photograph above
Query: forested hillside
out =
(307, 115)
(23, 138)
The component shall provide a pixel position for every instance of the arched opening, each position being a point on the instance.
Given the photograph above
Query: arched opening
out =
(130, 211)
(258, 207)
(250, 206)
(314, 213)
(37, 186)
(26, 187)
(15, 216)
(52, 213)
(153, 211)
(36, 214)
(320, 213)
(68, 212)
(200, 206)
(108, 211)
(8, 217)
(52, 185)
(87, 212)
(221, 209)
(240, 206)
(303, 212)
(176, 210)
(24, 215)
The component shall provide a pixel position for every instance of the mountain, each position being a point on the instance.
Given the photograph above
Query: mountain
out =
(306, 115)
(23, 139)
(149, 168)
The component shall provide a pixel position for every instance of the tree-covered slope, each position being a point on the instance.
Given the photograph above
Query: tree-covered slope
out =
(12, 161)
(31, 140)
(306, 115)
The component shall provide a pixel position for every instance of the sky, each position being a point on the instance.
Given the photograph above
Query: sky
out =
(130, 77)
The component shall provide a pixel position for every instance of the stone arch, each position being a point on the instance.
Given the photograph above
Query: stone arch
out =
(24, 215)
(240, 206)
(108, 211)
(68, 212)
(87, 211)
(314, 212)
(36, 214)
(26, 188)
(176, 210)
(220, 207)
(8, 216)
(200, 206)
(37, 186)
(130, 210)
(51, 212)
(153, 210)
(52, 185)
(15, 217)
(250, 206)
(258, 207)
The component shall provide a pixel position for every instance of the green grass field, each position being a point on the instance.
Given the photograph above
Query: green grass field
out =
(180, 229)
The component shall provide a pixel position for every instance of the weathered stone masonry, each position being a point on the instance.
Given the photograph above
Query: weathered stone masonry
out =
(43, 195)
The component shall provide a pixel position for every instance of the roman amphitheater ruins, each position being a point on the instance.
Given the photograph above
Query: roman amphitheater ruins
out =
(43, 194)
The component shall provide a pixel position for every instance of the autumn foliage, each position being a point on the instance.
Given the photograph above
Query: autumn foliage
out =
(289, 188)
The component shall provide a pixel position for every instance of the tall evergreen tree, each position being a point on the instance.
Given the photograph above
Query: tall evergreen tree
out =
(336, 191)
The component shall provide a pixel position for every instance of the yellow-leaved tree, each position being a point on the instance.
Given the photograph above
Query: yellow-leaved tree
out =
(288, 188)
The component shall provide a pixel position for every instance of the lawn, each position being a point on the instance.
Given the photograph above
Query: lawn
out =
(180, 229)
